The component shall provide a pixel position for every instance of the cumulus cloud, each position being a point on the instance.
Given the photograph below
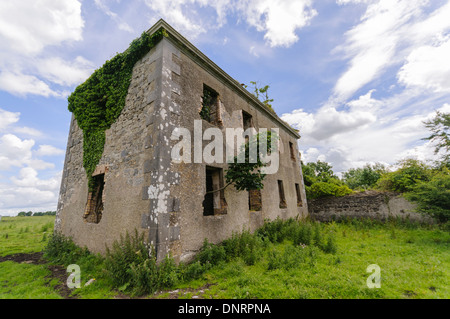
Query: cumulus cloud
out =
(27, 29)
(21, 160)
(63, 72)
(23, 84)
(27, 26)
(279, 19)
(48, 150)
(7, 118)
(367, 132)
(427, 67)
(328, 121)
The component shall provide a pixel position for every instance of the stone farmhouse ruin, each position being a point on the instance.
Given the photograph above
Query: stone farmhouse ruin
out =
(138, 185)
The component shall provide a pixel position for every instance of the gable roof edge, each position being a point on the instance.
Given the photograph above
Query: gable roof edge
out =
(181, 40)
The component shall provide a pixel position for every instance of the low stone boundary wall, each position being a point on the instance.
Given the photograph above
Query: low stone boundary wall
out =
(369, 204)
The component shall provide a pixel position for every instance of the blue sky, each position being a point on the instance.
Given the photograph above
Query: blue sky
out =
(357, 77)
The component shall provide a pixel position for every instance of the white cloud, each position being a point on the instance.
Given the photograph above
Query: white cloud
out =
(427, 67)
(27, 29)
(29, 193)
(179, 15)
(14, 151)
(22, 84)
(27, 26)
(24, 189)
(371, 45)
(65, 73)
(48, 150)
(342, 138)
(28, 177)
(279, 19)
(7, 118)
(390, 32)
(328, 121)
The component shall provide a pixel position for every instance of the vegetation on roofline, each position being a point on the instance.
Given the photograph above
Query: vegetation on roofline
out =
(98, 102)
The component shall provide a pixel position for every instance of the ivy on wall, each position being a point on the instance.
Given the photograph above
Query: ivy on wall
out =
(98, 102)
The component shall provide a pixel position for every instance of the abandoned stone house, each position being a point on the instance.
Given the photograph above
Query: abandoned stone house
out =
(139, 186)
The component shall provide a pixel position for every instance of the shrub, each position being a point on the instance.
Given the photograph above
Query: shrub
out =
(211, 254)
(404, 179)
(132, 266)
(123, 253)
(365, 177)
(433, 197)
(245, 245)
(62, 249)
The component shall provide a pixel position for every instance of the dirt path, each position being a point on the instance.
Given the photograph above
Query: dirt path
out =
(58, 272)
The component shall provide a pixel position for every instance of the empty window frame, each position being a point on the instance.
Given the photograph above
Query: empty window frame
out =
(291, 149)
(254, 200)
(210, 110)
(247, 120)
(214, 202)
(281, 194)
(94, 206)
(299, 197)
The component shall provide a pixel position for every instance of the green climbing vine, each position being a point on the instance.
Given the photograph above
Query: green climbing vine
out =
(98, 102)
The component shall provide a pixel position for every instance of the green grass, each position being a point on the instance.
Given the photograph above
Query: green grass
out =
(414, 262)
(24, 281)
(24, 234)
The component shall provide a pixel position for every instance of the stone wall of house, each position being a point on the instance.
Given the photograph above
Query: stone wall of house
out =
(145, 190)
(370, 204)
(128, 147)
(195, 227)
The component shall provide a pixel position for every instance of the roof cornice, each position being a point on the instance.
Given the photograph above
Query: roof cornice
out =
(202, 59)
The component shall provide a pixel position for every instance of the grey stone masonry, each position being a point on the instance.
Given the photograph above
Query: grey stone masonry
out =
(164, 119)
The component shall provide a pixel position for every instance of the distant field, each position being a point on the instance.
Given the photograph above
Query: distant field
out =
(24, 234)
(414, 262)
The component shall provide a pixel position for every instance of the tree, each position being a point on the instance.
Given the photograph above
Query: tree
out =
(365, 177)
(433, 197)
(402, 180)
(248, 175)
(440, 129)
(320, 181)
(267, 101)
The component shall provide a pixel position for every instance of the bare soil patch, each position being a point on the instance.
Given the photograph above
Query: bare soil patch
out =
(58, 272)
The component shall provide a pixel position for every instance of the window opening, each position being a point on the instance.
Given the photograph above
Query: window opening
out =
(299, 197)
(94, 206)
(209, 110)
(214, 202)
(254, 200)
(281, 193)
(291, 148)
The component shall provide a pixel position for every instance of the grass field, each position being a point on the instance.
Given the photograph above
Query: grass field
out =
(414, 262)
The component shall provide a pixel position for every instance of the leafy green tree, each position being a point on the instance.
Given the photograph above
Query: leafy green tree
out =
(433, 196)
(319, 171)
(440, 129)
(248, 175)
(320, 181)
(365, 177)
(410, 172)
